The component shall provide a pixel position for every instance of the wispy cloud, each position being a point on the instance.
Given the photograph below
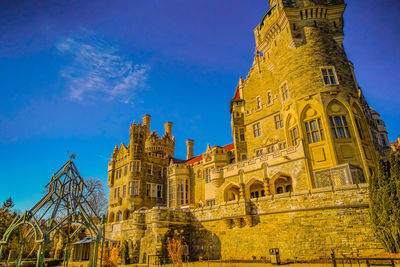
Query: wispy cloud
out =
(98, 71)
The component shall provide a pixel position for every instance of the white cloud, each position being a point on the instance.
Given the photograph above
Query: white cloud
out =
(98, 71)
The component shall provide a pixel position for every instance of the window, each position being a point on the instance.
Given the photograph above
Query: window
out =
(285, 92)
(135, 148)
(241, 134)
(259, 152)
(294, 135)
(151, 190)
(160, 172)
(383, 140)
(315, 132)
(258, 100)
(207, 176)
(340, 130)
(171, 194)
(133, 188)
(159, 191)
(126, 170)
(278, 122)
(116, 192)
(358, 124)
(134, 166)
(329, 76)
(124, 191)
(149, 169)
(270, 149)
(282, 145)
(244, 156)
(257, 129)
(148, 190)
(210, 202)
(182, 192)
(269, 96)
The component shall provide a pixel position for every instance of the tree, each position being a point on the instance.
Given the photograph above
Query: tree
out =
(385, 203)
(6, 215)
(96, 196)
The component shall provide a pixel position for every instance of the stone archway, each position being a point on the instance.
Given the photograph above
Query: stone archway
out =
(232, 192)
(282, 183)
(255, 188)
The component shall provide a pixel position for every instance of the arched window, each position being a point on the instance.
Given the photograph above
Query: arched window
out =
(232, 193)
(283, 184)
(256, 189)
(119, 216)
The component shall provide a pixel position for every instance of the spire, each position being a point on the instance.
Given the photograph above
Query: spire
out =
(237, 92)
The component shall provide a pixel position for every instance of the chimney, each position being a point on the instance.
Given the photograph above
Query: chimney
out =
(168, 128)
(146, 123)
(189, 149)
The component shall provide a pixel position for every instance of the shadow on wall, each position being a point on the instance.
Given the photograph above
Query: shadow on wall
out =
(204, 244)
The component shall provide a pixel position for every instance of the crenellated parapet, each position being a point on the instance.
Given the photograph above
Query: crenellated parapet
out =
(164, 145)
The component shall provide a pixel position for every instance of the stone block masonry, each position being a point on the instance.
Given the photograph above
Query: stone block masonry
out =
(304, 225)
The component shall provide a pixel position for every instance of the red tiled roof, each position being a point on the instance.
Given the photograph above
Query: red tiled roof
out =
(194, 160)
(200, 157)
(229, 146)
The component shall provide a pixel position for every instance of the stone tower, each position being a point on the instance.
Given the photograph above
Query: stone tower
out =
(301, 90)
(137, 173)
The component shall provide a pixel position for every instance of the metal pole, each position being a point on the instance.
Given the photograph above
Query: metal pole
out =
(39, 255)
(333, 258)
(1, 252)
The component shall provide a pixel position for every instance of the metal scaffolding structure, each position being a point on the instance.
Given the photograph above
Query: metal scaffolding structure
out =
(65, 204)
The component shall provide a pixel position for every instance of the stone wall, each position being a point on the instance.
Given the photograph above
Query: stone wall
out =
(304, 225)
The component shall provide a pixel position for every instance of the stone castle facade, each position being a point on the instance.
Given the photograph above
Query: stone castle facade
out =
(305, 144)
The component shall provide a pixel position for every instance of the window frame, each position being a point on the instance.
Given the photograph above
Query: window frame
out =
(257, 129)
(278, 122)
(329, 76)
(339, 127)
(258, 102)
(284, 90)
(319, 130)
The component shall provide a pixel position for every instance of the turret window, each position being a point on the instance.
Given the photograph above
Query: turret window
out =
(207, 176)
(285, 92)
(329, 76)
(133, 188)
(257, 129)
(134, 166)
(340, 130)
(241, 134)
(315, 131)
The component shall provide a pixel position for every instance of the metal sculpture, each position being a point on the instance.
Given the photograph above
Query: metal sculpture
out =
(64, 204)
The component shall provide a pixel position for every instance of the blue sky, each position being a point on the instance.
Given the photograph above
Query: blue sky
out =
(75, 74)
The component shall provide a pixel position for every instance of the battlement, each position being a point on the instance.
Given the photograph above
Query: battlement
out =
(155, 144)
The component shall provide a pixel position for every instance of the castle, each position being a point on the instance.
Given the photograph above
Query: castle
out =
(305, 144)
